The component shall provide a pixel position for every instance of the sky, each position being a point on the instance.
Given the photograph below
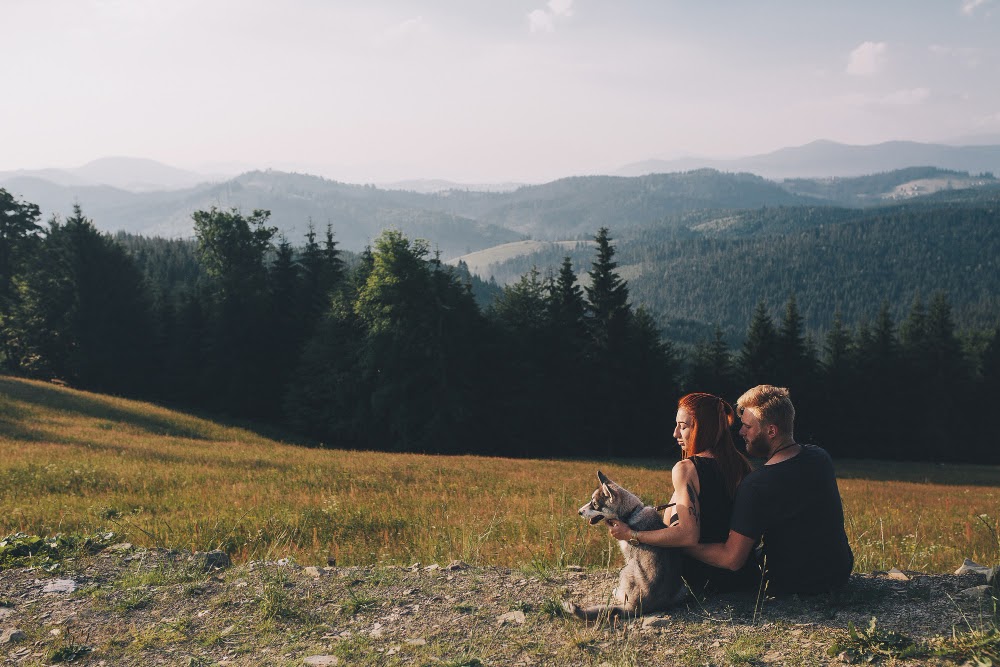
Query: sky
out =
(484, 91)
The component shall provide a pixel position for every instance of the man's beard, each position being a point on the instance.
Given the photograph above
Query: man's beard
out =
(758, 447)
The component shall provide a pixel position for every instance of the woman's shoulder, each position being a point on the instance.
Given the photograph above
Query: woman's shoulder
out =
(684, 469)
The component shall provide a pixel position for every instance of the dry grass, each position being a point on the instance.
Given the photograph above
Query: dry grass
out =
(76, 462)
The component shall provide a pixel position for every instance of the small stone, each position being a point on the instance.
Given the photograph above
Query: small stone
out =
(435, 566)
(12, 636)
(969, 566)
(457, 565)
(321, 660)
(656, 621)
(60, 586)
(896, 575)
(121, 547)
(215, 560)
(314, 572)
(511, 617)
(419, 641)
(574, 568)
(983, 592)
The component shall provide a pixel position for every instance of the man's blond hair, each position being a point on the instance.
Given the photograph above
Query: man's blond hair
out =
(772, 405)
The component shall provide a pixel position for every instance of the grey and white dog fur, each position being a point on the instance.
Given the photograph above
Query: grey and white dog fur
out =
(651, 579)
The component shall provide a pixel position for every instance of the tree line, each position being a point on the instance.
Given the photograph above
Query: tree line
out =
(391, 350)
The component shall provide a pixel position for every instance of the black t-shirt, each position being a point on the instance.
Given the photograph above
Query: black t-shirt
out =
(795, 507)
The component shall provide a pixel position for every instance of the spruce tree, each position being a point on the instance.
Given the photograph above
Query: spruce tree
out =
(759, 354)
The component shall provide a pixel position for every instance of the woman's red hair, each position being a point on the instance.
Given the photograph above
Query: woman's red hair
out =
(711, 432)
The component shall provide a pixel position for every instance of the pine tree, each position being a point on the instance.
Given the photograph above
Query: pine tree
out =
(607, 297)
(759, 355)
(83, 311)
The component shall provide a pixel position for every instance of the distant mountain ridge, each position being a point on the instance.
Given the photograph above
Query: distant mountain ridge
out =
(125, 173)
(825, 159)
(458, 222)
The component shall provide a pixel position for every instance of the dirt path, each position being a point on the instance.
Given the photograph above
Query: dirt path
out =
(157, 607)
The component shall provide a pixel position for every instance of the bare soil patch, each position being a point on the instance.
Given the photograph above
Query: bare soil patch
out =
(161, 607)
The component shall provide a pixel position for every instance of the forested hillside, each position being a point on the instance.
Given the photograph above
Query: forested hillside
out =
(390, 349)
(713, 268)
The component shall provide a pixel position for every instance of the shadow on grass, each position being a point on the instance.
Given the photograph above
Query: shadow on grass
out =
(14, 418)
(955, 474)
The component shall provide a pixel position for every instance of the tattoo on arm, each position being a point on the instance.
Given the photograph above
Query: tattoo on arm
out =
(694, 502)
(674, 519)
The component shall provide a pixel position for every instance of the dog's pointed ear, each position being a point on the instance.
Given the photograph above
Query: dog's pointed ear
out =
(607, 486)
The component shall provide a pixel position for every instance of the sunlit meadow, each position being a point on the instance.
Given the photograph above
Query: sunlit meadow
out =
(74, 462)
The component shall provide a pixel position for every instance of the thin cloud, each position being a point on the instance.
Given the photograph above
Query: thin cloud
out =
(414, 26)
(906, 97)
(969, 57)
(969, 7)
(544, 20)
(867, 59)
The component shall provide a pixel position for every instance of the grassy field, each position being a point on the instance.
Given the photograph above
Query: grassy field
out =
(74, 462)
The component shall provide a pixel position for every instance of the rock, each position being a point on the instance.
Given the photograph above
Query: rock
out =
(983, 592)
(574, 568)
(656, 621)
(12, 636)
(419, 641)
(896, 575)
(60, 586)
(5, 612)
(457, 565)
(314, 572)
(971, 567)
(993, 577)
(212, 560)
(121, 547)
(511, 617)
(435, 566)
(321, 660)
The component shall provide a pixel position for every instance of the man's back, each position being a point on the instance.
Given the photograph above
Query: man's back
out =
(795, 506)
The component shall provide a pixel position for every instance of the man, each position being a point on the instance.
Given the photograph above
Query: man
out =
(791, 505)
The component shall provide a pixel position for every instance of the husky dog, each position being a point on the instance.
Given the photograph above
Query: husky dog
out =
(651, 578)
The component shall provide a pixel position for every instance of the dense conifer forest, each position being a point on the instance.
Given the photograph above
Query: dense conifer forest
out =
(884, 326)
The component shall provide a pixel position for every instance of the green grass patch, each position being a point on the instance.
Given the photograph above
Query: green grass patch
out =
(157, 477)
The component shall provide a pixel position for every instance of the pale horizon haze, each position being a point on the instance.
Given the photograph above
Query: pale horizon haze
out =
(475, 91)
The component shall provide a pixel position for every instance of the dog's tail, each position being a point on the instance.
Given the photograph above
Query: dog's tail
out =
(600, 612)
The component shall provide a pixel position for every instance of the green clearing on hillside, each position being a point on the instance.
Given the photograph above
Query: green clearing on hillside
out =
(79, 463)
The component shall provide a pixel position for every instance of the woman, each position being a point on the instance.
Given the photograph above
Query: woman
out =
(705, 481)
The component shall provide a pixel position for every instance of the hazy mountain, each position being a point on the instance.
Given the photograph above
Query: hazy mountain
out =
(138, 174)
(821, 159)
(126, 173)
(434, 185)
(580, 205)
(357, 213)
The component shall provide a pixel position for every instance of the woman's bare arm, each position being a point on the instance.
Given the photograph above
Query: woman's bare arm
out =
(683, 519)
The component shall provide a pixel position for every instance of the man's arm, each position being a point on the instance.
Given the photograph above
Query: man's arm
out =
(731, 554)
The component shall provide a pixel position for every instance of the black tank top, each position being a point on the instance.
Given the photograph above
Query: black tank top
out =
(716, 511)
(716, 505)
